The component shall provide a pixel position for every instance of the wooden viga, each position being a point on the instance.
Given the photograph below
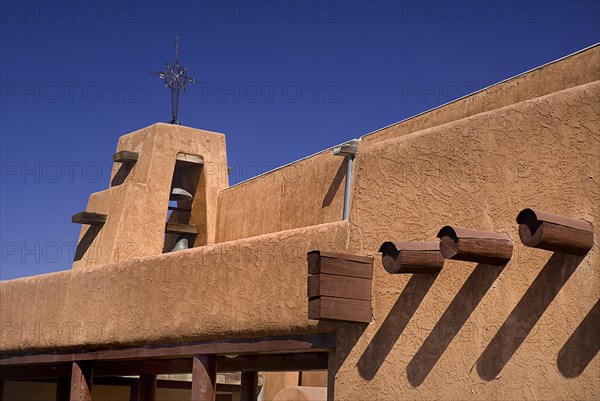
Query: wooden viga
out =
(470, 245)
(411, 257)
(538, 229)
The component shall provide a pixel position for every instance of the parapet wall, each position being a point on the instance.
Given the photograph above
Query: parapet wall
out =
(305, 193)
(240, 289)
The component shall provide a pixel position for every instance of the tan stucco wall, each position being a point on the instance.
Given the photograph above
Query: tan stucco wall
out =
(274, 382)
(305, 193)
(137, 208)
(479, 172)
(242, 288)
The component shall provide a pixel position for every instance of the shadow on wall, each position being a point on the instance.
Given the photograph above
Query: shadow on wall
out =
(582, 346)
(86, 241)
(526, 314)
(335, 184)
(455, 316)
(394, 324)
(348, 335)
(121, 174)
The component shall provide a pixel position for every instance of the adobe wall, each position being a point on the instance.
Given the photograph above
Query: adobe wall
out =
(240, 289)
(479, 331)
(305, 193)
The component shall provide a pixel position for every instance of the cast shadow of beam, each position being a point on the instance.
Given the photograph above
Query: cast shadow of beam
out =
(394, 324)
(526, 314)
(347, 336)
(87, 240)
(582, 346)
(121, 174)
(335, 184)
(453, 319)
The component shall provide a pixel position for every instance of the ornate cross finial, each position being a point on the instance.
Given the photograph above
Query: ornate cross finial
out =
(175, 77)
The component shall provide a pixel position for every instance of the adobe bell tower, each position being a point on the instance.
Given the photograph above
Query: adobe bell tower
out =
(162, 196)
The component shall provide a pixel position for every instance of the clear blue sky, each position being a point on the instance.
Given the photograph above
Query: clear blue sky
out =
(281, 79)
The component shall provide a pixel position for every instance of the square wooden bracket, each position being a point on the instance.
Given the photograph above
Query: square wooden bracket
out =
(538, 229)
(475, 246)
(411, 257)
(125, 156)
(339, 287)
(90, 218)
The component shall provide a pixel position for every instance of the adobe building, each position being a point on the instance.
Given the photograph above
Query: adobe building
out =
(467, 267)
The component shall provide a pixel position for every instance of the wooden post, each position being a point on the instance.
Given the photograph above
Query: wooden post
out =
(475, 246)
(204, 378)
(134, 391)
(411, 257)
(63, 389)
(147, 388)
(249, 386)
(81, 381)
(555, 233)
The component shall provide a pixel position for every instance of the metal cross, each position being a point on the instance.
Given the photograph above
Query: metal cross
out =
(175, 77)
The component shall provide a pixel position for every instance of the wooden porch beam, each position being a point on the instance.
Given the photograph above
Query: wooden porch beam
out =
(143, 367)
(264, 345)
(105, 370)
(35, 372)
(274, 362)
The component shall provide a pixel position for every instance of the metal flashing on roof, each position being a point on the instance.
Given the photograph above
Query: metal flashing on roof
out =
(349, 148)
